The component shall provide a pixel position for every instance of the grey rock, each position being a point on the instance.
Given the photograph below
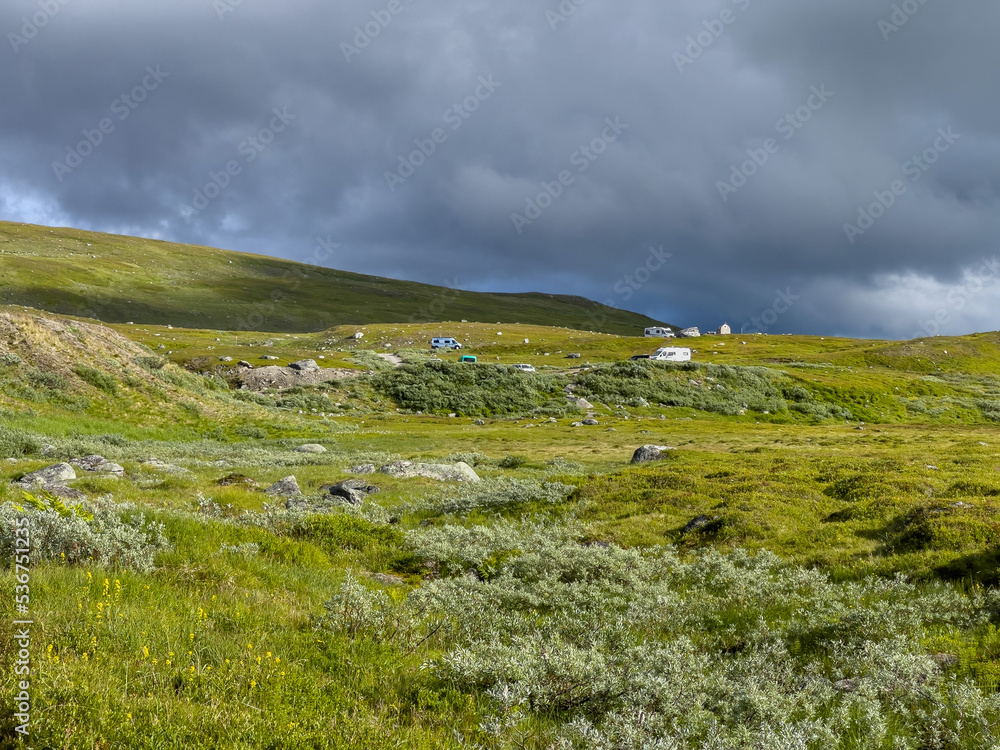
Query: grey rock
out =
(584, 403)
(48, 449)
(591, 422)
(576, 424)
(311, 448)
(269, 357)
(847, 686)
(243, 363)
(286, 486)
(479, 422)
(353, 490)
(457, 472)
(696, 523)
(98, 465)
(646, 453)
(50, 475)
(225, 359)
(362, 469)
(573, 356)
(67, 493)
(304, 365)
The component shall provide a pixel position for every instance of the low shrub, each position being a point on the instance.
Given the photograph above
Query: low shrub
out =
(100, 380)
(100, 532)
(482, 389)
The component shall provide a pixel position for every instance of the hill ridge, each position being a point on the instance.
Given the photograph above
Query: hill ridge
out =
(118, 279)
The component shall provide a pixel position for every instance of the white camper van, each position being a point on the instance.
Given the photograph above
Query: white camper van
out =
(444, 342)
(672, 354)
(659, 333)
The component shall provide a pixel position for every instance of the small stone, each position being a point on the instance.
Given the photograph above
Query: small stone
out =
(311, 448)
(362, 469)
(50, 475)
(696, 523)
(591, 422)
(286, 486)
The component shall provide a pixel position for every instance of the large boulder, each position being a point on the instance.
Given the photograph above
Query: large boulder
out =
(285, 487)
(304, 365)
(647, 453)
(98, 465)
(311, 448)
(53, 475)
(353, 491)
(457, 472)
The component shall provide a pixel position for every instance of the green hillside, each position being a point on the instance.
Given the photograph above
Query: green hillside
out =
(117, 279)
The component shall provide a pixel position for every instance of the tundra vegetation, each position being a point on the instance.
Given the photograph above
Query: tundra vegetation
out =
(813, 566)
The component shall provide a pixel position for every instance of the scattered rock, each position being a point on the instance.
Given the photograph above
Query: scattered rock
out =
(286, 486)
(225, 359)
(48, 449)
(457, 472)
(236, 480)
(269, 356)
(353, 490)
(591, 422)
(642, 402)
(696, 523)
(50, 475)
(584, 403)
(576, 424)
(572, 356)
(846, 686)
(362, 469)
(60, 490)
(244, 364)
(311, 448)
(304, 365)
(98, 465)
(611, 429)
(646, 453)
(479, 422)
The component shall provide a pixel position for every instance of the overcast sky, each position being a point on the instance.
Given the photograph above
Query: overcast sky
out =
(828, 168)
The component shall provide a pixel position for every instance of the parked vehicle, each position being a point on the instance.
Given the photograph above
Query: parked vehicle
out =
(672, 354)
(467, 358)
(524, 368)
(445, 342)
(658, 332)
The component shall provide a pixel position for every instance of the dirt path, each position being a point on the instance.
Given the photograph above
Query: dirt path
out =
(391, 359)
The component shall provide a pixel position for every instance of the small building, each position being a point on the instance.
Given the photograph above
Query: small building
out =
(725, 330)
(659, 332)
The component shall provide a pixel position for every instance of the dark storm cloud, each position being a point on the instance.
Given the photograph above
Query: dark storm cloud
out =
(545, 146)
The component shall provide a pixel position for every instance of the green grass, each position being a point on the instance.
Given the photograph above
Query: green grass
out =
(913, 493)
(117, 279)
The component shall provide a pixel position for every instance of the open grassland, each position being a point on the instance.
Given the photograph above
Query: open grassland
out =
(813, 566)
(117, 279)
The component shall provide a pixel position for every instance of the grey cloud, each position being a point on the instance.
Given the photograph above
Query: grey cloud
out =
(325, 174)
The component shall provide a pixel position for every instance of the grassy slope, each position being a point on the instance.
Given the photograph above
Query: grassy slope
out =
(147, 281)
(914, 492)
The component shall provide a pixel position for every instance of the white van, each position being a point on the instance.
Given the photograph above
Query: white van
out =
(672, 354)
(658, 332)
(445, 342)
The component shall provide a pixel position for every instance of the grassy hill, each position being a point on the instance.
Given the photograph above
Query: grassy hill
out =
(786, 577)
(117, 279)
